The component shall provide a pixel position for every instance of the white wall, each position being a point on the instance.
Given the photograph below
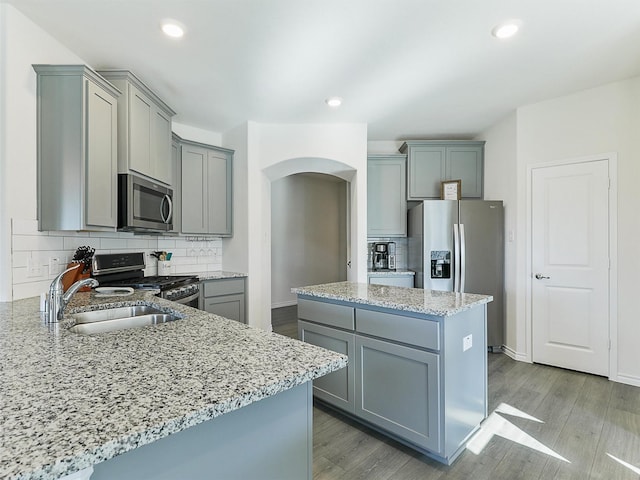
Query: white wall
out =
(308, 234)
(591, 122)
(500, 170)
(187, 132)
(274, 151)
(22, 44)
(595, 121)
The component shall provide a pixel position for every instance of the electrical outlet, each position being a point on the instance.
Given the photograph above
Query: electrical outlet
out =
(34, 269)
(54, 266)
(467, 343)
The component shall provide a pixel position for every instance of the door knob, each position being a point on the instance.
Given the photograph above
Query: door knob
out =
(539, 276)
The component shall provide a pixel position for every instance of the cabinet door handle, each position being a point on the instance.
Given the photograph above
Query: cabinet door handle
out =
(539, 276)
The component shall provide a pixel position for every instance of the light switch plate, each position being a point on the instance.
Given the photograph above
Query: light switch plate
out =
(467, 343)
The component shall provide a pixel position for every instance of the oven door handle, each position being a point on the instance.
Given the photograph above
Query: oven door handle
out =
(188, 299)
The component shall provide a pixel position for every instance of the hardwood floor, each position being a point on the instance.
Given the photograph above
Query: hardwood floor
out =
(550, 424)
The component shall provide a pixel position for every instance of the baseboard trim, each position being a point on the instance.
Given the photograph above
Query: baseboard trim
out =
(626, 379)
(520, 357)
(288, 303)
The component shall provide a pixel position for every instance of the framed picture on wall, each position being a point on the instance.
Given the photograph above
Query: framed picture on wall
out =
(450, 189)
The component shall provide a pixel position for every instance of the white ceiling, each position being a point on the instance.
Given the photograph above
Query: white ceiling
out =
(407, 68)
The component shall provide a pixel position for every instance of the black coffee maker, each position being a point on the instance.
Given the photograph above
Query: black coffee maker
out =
(384, 256)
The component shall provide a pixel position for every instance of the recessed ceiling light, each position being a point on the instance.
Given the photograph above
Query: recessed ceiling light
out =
(333, 102)
(506, 29)
(172, 28)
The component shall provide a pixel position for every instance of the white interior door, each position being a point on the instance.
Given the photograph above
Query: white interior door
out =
(570, 266)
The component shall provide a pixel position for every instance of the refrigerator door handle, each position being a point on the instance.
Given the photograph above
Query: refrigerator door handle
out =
(456, 258)
(463, 258)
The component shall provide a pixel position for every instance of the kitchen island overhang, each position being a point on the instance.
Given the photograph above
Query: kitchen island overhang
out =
(71, 401)
(417, 360)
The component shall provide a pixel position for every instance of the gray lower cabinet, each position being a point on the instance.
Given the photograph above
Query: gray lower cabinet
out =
(224, 297)
(421, 379)
(336, 388)
(386, 196)
(144, 128)
(77, 149)
(207, 189)
(397, 388)
(429, 162)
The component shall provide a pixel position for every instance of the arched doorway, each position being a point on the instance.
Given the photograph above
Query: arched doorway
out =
(308, 237)
(294, 166)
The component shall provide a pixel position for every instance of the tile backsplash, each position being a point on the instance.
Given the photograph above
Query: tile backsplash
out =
(401, 251)
(37, 257)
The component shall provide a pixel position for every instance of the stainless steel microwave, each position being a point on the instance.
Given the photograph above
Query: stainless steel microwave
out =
(143, 205)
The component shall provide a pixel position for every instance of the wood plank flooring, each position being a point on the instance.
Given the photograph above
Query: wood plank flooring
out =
(582, 420)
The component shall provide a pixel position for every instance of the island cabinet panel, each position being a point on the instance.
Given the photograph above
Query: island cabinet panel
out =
(224, 297)
(398, 389)
(337, 388)
(269, 439)
(418, 376)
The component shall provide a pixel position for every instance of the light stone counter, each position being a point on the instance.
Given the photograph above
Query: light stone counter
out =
(69, 401)
(219, 275)
(430, 302)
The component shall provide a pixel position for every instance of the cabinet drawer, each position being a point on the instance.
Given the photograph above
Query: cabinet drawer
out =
(330, 314)
(409, 330)
(225, 286)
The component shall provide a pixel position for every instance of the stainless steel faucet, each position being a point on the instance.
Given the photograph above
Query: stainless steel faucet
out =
(58, 299)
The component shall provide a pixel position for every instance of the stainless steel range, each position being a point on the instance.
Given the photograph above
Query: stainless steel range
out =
(127, 270)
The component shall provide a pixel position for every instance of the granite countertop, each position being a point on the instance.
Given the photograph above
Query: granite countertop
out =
(69, 401)
(219, 275)
(430, 302)
(386, 273)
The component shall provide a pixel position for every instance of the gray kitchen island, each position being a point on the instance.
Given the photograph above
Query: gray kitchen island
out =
(417, 360)
(200, 397)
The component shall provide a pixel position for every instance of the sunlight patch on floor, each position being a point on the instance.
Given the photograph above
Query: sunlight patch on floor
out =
(497, 425)
(628, 465)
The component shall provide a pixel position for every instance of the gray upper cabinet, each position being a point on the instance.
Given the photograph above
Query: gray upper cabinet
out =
(77, 149)
(430, 162)
(144, 129)
(176, 161)
(386, 195)
(207, 195)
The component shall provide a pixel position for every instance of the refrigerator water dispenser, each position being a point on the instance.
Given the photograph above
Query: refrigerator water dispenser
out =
(440, 264)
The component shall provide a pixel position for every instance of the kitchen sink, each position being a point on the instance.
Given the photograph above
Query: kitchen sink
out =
(114, 313)
(100, 321)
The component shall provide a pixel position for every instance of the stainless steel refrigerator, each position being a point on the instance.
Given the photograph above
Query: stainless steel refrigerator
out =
(458, 246)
